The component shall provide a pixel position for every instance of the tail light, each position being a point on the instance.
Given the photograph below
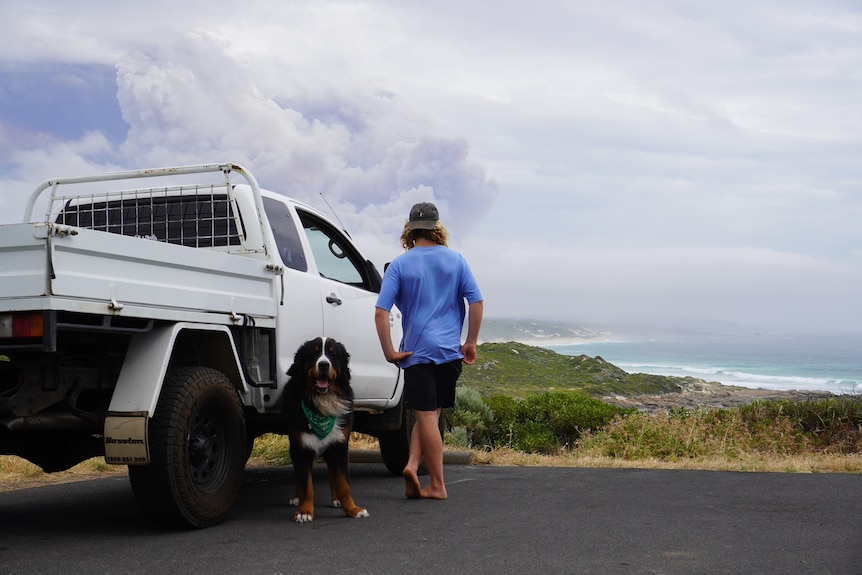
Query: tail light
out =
(21, 325)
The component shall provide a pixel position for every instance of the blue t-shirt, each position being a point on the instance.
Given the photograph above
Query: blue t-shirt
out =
(429, 285)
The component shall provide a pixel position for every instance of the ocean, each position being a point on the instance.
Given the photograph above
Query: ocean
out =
(829, 363)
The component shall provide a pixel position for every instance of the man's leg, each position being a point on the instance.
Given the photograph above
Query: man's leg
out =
(421, 389)
(413, 489)
(428, 430)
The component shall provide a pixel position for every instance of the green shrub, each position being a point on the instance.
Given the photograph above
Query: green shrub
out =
(547, 422)
(535, 437)
(473, 416)
(832, 424)
(458, 437)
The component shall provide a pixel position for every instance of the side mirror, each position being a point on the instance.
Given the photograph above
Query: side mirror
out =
(373, 276)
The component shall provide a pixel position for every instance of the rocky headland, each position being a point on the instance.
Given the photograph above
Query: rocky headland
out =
(707, 394)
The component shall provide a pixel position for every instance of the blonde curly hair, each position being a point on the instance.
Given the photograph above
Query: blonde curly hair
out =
(438, 235)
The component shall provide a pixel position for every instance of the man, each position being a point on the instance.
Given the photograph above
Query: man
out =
(429, 284)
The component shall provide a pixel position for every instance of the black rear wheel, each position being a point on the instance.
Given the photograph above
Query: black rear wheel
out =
(198, 451)
(394, 449)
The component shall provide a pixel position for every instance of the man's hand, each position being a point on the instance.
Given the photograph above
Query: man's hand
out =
(381, 321)
(397, 357)
(469, 351)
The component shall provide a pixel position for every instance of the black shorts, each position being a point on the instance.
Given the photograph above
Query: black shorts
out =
(428, 386)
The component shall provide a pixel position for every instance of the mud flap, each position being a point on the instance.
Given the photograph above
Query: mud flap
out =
(126, 439)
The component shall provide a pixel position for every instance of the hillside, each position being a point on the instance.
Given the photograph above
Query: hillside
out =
(517, 369)
(520, 370)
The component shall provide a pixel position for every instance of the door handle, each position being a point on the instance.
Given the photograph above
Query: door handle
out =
(332, 298)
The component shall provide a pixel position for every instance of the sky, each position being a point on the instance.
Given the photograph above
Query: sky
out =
(668, 162)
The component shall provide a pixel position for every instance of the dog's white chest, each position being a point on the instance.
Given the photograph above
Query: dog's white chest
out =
(317, 444)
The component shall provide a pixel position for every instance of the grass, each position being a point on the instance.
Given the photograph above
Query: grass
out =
(809, 463)
(17, 473)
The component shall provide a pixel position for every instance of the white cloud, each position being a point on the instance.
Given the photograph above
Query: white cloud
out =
(666, 158)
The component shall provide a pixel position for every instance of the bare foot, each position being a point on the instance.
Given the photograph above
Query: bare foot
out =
(413, 490)
(429, 493)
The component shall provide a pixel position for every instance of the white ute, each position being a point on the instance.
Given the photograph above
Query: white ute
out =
(153, 324)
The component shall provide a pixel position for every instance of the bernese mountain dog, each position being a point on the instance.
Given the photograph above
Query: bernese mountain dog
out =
(318, 409)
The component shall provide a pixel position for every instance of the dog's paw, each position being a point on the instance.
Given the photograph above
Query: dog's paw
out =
(303, 517)
(294, 502)
(360, 513)
(336, 503)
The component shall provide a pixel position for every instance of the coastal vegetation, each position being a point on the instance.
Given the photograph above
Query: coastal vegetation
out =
(525, 405)
(577, 414)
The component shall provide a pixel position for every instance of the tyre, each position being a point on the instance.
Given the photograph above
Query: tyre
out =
(197, 451)
(394, 449)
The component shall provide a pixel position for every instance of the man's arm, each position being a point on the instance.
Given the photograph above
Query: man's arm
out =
(474, 322)
(381, 321)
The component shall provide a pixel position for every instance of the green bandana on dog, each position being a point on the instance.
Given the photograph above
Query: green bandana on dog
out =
(321, 425)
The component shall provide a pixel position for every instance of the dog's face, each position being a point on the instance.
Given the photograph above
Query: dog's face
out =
(322, 363)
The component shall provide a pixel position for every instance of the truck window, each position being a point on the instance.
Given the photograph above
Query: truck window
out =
(286, 234)
(336, 257)
(197, 221)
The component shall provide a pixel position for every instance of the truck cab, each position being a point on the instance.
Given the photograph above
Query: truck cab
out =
(331, 288)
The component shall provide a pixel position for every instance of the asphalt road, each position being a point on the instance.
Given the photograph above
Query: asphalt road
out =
(497, 520)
